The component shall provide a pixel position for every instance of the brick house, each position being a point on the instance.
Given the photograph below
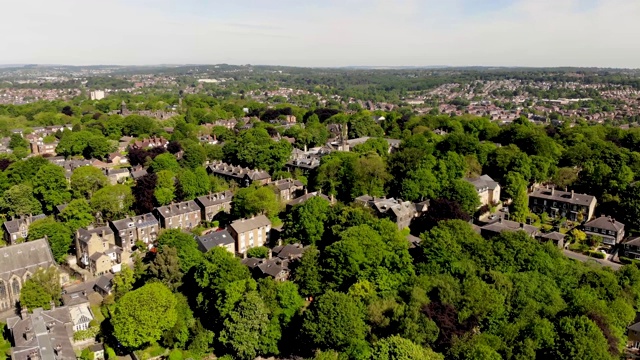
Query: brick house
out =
(250, 233)
(185, 215)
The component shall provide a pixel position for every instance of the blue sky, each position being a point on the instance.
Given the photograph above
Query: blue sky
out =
(600, 33)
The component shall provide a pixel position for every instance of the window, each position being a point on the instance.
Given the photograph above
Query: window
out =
(15, 287)
(3, 290)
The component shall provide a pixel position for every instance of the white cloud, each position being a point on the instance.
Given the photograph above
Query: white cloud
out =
(327, 33)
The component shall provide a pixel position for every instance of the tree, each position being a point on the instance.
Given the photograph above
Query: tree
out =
(165, 161)
(334, 321)
(19, 201)
(306, 222)
(255, 200)
(50, 186)
(187, 248)
(255, 149)
(516, 189)
(307, 273)
(166, 267)
(113, 201)
(144, 193)
(141, 316)
(398, 348)
(77, 214)
(59, 236)
(86, 180)
(465, 194)
(580, 338)
(41, 289)
(17, 141)
(123, 282)
(245, 328)
(21, 172)
(258, 252)
(194, 156)
(370, 176)
(179, 334)
(165, 188)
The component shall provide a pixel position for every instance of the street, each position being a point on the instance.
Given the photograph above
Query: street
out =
(585, 258)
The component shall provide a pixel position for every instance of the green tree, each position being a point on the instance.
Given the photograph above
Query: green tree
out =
(465, 194)
(41, 289)
(255, 149)
(398, 348)
(307, 273)
(50, 186)
(258, 252)
(77, 214)
(141, 316)
(580, 338)
(19, 201)
(165, 161)
(86, 180)
(255, 200)
(166, 267)
(59, 236)
(17, 141)
(123, 282)
(187, 248)
(113, 201)
(194, 156)
(334, 321)
(306, 222)
(179, 334)
(516, 189)
(370, 176)
(165, 188)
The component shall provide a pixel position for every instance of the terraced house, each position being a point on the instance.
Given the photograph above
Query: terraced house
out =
(185, 215)
(212, 204)
(127, 231)
(567, 204)
(238, 174)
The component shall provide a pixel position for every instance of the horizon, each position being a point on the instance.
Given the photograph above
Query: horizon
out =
(326, 34)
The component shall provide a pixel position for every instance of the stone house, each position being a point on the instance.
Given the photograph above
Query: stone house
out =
(488, 189)
(96, 251)
(287, 189)
(212, 204)
(556, 203)
(241, 176)
(43, 335)
(16, 229)
(610, 230)
(17, 264)
(398, 211)
(250, 233)
(127, 231)
(220, 238)
(185, 215)
(499, 226)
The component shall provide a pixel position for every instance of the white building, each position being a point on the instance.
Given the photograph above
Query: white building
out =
(97, 95)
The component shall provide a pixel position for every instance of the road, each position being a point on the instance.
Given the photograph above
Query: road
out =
(585, 258)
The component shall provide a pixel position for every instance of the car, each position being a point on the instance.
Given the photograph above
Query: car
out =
(504, 209)
(603, 251)
(493, 217)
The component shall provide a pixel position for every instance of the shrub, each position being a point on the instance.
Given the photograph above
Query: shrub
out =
(258, 252)
(175, 355)
(111, 354)
(596, 254)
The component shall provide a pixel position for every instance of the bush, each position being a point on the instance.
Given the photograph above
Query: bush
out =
(175, 355)
(111, 354)
(260, 252)
(596, 254)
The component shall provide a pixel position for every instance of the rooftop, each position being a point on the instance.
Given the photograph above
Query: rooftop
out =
(244, 225)
(563, 196)
(605, 222)
(178, 209)
(483, 182)
(28, 256)
(213, 239)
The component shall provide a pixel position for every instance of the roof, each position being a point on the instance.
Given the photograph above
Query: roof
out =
(305, 197)
(85, 235)
(244, 225)
(104, 282)
(289, 251)
(508, 225)
(553, 236)
(215, 199)
(43, 333)
(483, 182)
(237, 172)
(28, 256)
(139, 221)
(75, 298)
(80, 314)
(184, 207)
(605, 222)
(384, 206)
(139, 173)
(213, 239)
(13, 226)
(270, 267)
(285, 184)
(563, 196)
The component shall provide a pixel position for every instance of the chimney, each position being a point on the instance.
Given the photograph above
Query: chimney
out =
(500, 220)
(572, 194)
(279, 242)
(23, 312)
(270, 255)
(521, 225)
(306, 191)
(553, 190)
(53, 304)
(244, 255)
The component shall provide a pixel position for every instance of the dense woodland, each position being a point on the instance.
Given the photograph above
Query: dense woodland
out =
(359, 291)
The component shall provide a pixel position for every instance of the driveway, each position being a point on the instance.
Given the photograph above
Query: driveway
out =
(585, 258)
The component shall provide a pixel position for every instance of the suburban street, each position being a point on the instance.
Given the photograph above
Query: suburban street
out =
(584, 258)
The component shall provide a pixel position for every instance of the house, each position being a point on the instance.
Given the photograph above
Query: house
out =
(185, 215)
(18, 263)
(422, 207)
(556, 203)
(250, 233)
(212, 204)
(96, 251)
(555, 237)
(104, 284)
(117, 176)
(153, 142)
(398, 211)
(304, 198)
(275, 268)
(14, 230)
(501, 225)
(488, 189)
(81, 316)
(138, 172)
(127, 231)
(394, 144)
(288, 252)
(98, 351)
(43, 335)
(241, 176)
(216, 238)
(287, 189)
(610, 230)
(117, 159)
(40, 147)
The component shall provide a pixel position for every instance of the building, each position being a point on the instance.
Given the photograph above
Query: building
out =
(555, 237)
(307, 160)
(398, 211)
(275, 268)
(117, 176)
(287, 189)
(610, 230)
(304, 198)
(40, 147)
(488, 189)
(43, 335)
(185, 215)
(394, 144)
(213, 204)
(499, 226)
(288, 252)
(104, 284)
(96, 251)
(17, 230)
(153, 142)
(97, 95)
(216, 238)
(98, 351)
(241, 176)
(556, 203)
(18, 263)
(250, 233)
(127, 231)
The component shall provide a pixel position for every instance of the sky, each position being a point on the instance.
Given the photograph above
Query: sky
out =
(322, 33)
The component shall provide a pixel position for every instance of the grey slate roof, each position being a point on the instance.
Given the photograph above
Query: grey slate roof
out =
(28, 256)
(13, 226)
(184, 207)
(553, 236)
(285, 184)
(635, 241)
(483, 182)
(605, 222)
(244, 225)
(84, 235)
(508, 225)
(139, 221)
(289, 251)
(215, 199)
(104, 282)
(305, 197)
(213, 239)
(48, 336)
(562, 196)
